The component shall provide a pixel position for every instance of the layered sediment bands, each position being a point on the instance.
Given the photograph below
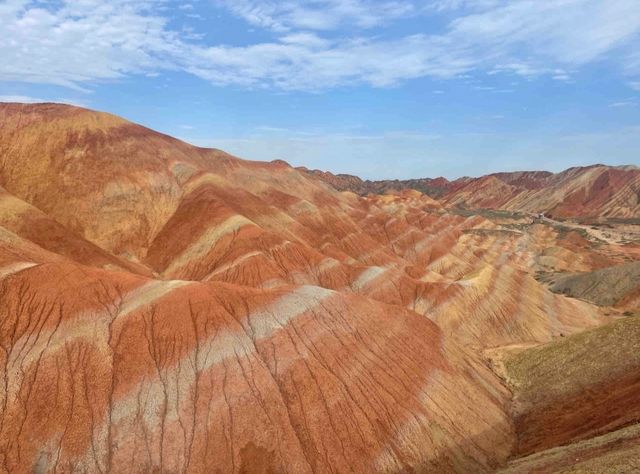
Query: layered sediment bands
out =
(185, 375)
(170, 308)
(33, 225)
(592, 191)
(577, 192)
(104, 171)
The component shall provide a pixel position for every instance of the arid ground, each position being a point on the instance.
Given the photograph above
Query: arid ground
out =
(168, 308)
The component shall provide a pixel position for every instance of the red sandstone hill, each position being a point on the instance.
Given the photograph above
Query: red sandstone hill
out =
(171, 308)
(593, 191)
(587, 192)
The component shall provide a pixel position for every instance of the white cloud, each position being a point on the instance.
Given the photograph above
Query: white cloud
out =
(282, 15)
(309, 67)
(309, 40)
(25, 99)
(571, 32)
(624, 103)
(446, 5)
(270, 129)
(20, 98)
(78, 42)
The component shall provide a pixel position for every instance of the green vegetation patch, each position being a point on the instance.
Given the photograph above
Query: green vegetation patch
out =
(604, 287)
(580, 360)
(488, 213)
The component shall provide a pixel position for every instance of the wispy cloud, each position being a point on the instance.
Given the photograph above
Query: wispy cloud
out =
(20, 98)
(270, 129)
(74, 42)
(419, 153)
(318, 14)
(328, 149)
(624, 103)
(317, 44)
(26, 99)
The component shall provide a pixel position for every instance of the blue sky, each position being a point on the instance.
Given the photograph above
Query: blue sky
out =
(382, 89)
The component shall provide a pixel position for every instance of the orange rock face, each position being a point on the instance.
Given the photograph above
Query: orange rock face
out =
(170, 308)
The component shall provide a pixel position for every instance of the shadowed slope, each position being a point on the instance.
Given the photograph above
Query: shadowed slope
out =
(577, 387)
(614, 453)
(32, 224)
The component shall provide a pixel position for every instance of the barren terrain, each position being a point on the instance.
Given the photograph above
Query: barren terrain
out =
(168, 308)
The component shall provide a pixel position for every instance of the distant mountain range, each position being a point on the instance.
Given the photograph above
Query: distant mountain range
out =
(591, 191)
